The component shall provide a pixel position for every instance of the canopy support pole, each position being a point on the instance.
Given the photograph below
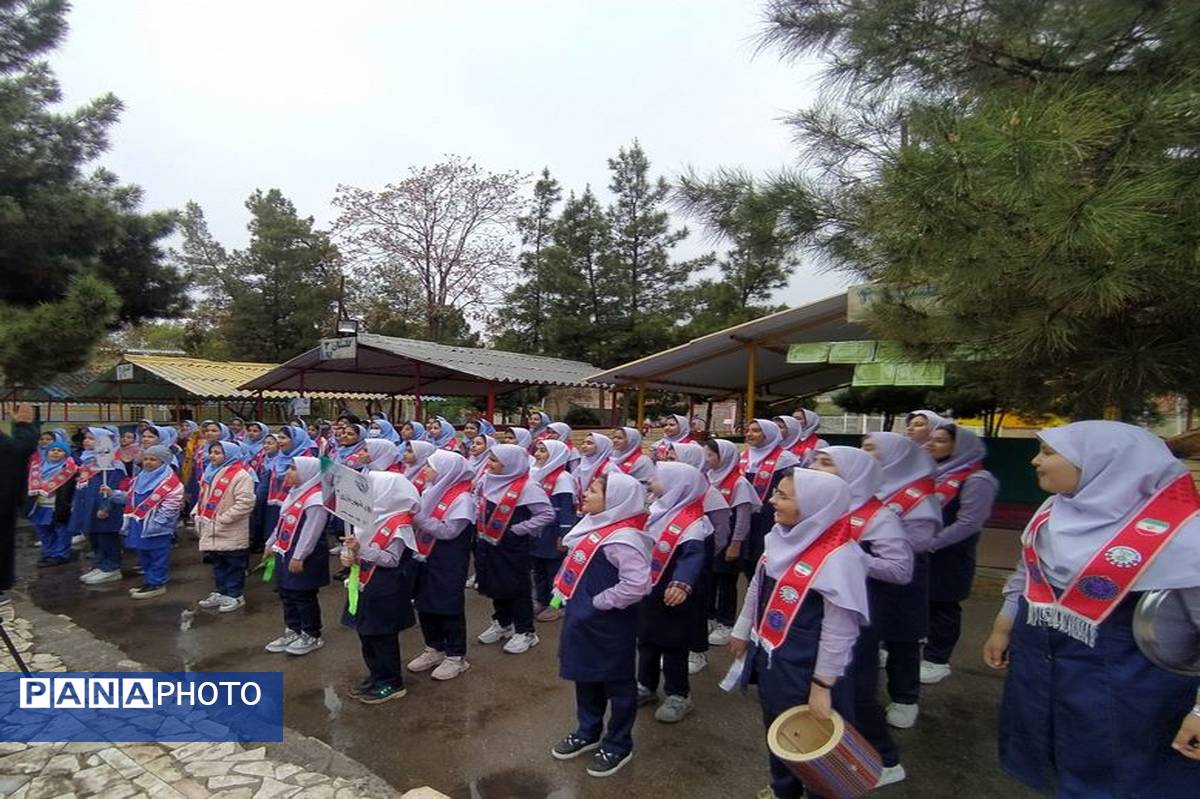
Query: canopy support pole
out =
(751, 357)
(417, 390)
(258, 404)
(641, 404)
(491, 402)
(616, 414)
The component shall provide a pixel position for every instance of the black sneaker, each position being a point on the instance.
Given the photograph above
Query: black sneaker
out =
(573, 746)
(381, 693)
(361, 688)
(606, 764)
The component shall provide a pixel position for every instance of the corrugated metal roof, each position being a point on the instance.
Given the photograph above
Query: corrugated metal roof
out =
(715, 365)
(407, 366)
(170, 377)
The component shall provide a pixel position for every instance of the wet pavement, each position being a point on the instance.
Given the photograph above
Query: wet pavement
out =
(487, 734)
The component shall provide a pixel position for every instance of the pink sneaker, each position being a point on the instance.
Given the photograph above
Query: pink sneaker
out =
(548, 614)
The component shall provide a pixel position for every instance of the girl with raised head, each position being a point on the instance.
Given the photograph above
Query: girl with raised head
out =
(605, 574)
(1085, 713)
(130, 452)
(559, 431)
(804, 607)
(301, 560)
(386, 557)
(967, 492)
(628, 457)
(291, 442)
(478, 448)
(521, 437)
(725, 475)
(442, 434)
(444, 527)
(512, 509)
(919, 425)
(595, 458)
(477, 426)
(412, 430)
(416, 455)
(889, 561)
(152, 509)
(222, 517)
(763, 464)
(382, 428)
(96, 510)
(210, 430)
(162, 435)
(676, 605)
(546, 548)
(800, 434)
(676, 430)
(903, 617)
(538, 423)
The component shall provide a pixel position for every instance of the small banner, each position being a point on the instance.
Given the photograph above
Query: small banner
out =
(141, 707)
(851, 351)
(808, 352)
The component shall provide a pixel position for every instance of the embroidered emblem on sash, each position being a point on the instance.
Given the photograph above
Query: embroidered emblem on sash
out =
(1097, 586)
(1123, 557)
(1150, 526)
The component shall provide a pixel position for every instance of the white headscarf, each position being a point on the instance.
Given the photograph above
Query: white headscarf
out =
(690, 453)
(685, 429)
(643, 467)
(810, 425)
(743, 492)
(523, 436)
(681, 485)
(451, 469)
(968, 450)
(558, 454)
(392, 493)
(563, 431)
(585, 470)
(1121, 466)
(932, 419)
(772, 438)
(309, 471)
(863, 476)
(822, 499)
(514, 462)
(421, 451)
(478, 463)
(624, 498)
(903, 461)
(383, 454)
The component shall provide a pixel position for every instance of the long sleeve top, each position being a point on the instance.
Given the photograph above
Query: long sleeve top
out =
(975, 500)
(889, 560)
(722, 522)
(839, 631)
(540, 514)
(310, 532)
(923, 523)
(440, 530)
(633, 577)
(742, 514)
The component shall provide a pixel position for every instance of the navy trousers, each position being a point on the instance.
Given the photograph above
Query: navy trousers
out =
(593, 698)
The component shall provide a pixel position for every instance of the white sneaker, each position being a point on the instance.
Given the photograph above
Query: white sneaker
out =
(211, 601)
(697, 661)
(883, 656)
(495, 633)
(902, 716)
(229, 604)
(97, 577)
(450, 668)
(521, 642)
(78, 541)
(426, 660)
(933, 673)
(720, 635)
(280, 644)
(83, 578)
(304, 644)
(471, 582)
(891, 775)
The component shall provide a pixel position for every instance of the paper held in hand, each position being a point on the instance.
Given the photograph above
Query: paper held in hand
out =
(351, 492)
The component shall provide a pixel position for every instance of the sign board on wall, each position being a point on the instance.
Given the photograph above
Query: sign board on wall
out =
(124, 371)
(301, 406)
(334, 349)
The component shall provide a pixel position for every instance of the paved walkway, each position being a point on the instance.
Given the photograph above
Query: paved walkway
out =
(159, 770)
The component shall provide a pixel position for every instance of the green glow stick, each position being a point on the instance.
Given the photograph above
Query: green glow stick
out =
(352, 589)
(269, 570)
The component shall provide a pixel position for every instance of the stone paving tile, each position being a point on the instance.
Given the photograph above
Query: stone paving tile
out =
(102, 770)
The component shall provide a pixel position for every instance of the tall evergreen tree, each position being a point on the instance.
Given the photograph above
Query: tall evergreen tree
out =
(646, 284)
(1020, 176)
(76, 255)
(523, 316)
(276, 298)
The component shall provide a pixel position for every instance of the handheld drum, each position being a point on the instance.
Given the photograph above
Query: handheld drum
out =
(1164, 632)
(830, 757)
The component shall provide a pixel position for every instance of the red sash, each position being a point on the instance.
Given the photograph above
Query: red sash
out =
(289, 521)
(859, 520)
(418, 479)
(276, 491)
(626, 465)
(580, 556)
(801, 448)
(383, 537)
(85, 474)
(1109, 576)
(660, 449)
(668, 539)
(543, 434)
(908, 497)
(947, 489)
(451, 445)
(791, 588)
(213, 498)
(40, 487)
(160, 492)
(551, 480)
(357, 459)
(728, 484)
(256, 462)
(493, 529)
(766, 470)
(425, 541)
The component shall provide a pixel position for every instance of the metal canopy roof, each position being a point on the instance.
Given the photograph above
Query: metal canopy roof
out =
(161, 378)
(390, 365)
(716, 364)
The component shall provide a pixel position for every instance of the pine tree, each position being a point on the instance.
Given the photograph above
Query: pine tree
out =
(76, 256)
(1021, 179)
(523, 318)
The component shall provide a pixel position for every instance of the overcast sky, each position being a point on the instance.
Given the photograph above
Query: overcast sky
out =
(225, 97)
